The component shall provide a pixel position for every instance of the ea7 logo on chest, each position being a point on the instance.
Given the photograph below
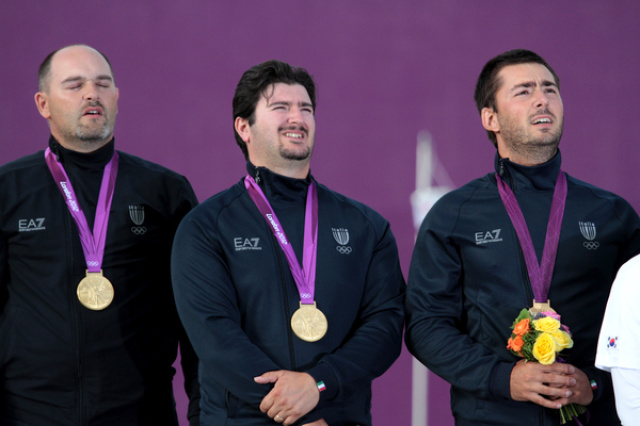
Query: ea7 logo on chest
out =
(27, 225)
(488, 237)
(242, 244)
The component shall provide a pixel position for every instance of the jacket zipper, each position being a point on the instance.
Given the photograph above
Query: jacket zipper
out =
(76, 328)
(283, 279)
(76, 315)
(283, 267)
(502, 171)
(506, 176)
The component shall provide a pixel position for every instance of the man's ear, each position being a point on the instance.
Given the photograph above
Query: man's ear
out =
(489, 119)
(243, 128)
(42, 103)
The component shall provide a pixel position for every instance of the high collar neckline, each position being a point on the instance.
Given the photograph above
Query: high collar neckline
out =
(278, 187)
(541, 177)
(95, 159)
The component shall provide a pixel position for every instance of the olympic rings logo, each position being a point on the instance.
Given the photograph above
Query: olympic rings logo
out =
(344, 249)
(139, 230)
(591, 245)
(93, 263)
(305, 295)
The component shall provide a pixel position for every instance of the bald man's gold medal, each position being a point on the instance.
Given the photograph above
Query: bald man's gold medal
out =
(309, 323)
(95, 291)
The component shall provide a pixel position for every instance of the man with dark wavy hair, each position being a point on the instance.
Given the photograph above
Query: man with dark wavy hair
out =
(291, 293)
(524, 236)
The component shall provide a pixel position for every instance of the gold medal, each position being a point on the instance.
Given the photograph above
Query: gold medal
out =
(95, 291)
(539, 307)
(309, 323)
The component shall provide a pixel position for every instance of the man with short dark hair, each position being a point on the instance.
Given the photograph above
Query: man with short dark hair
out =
(291, 293)
(487, 250)
(88, 323)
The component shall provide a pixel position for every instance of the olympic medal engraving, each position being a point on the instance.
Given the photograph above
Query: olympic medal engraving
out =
(309, 323)
(95, 291)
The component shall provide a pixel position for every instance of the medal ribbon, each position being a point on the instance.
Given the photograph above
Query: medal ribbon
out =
(305, 277)
(539, 274)
(92, 243)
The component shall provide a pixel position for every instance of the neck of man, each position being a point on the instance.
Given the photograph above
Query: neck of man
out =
(84, 146)
(530, 157)
(291, 169)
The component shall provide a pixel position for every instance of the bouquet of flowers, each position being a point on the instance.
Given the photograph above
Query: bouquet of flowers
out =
(540, 337)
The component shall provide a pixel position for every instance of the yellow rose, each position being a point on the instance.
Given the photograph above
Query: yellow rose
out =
(563, 340)
(547, 324)
(544, 349)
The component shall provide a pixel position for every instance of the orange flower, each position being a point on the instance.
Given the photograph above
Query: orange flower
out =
(515, 344)
(522, 327)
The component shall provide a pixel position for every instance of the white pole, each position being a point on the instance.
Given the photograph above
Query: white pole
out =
(419, 394)
(424, 161)
(419, 376)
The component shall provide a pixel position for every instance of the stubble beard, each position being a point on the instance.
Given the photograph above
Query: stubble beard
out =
(535, 149)
(296, 153)
(92, 135)
(301, 154)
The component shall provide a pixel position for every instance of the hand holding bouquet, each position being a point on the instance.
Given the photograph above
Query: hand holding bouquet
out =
(540, 337)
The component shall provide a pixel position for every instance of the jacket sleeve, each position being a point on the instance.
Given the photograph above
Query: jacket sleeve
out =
(189, 363)
(208, 306)
(435, 333)
(186, 201)
(631, 225)
(376, 339)
(4, 278)
(4, 272)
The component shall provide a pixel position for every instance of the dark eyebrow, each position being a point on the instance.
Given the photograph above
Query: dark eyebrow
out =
(525, 85)
(78, 78)
(279, 103)
(529, 84)
(286, 103)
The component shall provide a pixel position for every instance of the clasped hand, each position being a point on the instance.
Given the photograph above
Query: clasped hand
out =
(293, 395)
(551, 386)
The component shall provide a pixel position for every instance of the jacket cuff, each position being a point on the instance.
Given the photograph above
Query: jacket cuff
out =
(500, 382)
(601, 383)
(323, 373)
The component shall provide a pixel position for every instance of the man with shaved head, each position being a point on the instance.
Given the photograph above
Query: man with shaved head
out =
(88, 323)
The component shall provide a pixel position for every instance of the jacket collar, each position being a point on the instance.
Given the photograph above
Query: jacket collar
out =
(278, 187)
(537, 178)
(92, 160)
